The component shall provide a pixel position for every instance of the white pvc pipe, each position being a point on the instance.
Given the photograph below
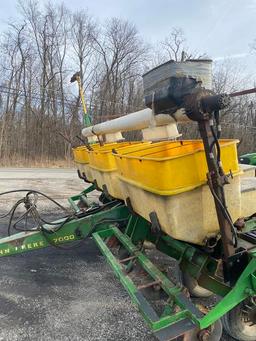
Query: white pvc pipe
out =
(135, 121)
(198, 69)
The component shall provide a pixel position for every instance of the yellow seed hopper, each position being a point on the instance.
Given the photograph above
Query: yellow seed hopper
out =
(169, 178)
(103, 165)
(81, 159)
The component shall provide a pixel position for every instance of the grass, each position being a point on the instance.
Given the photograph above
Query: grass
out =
(46, 163)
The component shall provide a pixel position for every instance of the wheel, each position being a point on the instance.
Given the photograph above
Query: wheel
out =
(240, 322)
(212, 333)
(193, 287)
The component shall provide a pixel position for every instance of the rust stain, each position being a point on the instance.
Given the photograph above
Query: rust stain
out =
(17, 242)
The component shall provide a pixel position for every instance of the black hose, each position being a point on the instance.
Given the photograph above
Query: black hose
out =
(88, 212)
(215, 142)
(25, 215)
(217, 119)
(106, 220)
(30, 210)
(38, 192)
(16, 205)
(49, 222)
(226, 213)
(6, 214)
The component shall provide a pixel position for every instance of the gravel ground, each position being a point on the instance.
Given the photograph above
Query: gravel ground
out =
(54, 294)
(62, 295)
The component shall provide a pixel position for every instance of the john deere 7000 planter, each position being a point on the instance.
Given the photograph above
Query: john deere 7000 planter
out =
(189, 198)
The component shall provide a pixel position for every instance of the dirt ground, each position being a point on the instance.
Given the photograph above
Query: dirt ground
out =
(55, 294)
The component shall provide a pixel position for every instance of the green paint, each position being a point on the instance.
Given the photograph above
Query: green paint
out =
(74, 200)
(245, 286)
(76, 229)
(191, 259)
(249, 225)
(170, 288)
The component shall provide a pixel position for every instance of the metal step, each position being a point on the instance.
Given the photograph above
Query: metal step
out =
(171, 324)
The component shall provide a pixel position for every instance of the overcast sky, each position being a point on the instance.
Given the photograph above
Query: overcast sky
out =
(220, 28)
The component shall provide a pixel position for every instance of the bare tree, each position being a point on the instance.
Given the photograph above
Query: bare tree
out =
(122, 53)
(83, 33)
(173, 44)
(41, 51)
(175, 47)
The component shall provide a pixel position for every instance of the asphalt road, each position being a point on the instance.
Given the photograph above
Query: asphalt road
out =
(55, 294)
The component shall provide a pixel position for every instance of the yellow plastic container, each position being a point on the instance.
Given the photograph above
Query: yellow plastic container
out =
(169, 178)
(80, 154)
(248, 170)
(81, 159)
(188, 216)
(102, 158)
(103, 165)
(169, 168)
(248, 190)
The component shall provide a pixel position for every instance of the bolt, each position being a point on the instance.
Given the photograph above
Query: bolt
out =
(204, 335)
(249, 291)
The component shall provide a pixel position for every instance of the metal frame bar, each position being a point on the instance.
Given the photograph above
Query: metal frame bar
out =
(218, 187)
(155, 322)
(245, 286)
(191, 259)
(76, 198)
(74, 230)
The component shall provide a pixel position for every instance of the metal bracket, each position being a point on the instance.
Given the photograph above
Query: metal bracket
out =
(129, 205)
(155, 225)
(83, 176)
(106, 192)
(160, 325)
(96, 185)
